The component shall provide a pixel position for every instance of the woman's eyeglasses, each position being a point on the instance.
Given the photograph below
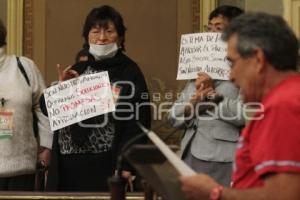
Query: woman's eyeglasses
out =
(214, 27)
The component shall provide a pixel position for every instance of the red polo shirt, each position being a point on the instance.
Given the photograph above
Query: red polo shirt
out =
(271, 144)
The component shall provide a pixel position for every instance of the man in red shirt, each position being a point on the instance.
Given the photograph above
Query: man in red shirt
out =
(263, 52)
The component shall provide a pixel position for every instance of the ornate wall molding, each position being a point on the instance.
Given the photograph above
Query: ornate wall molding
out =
(28, 28)
(201, 10)
(15, 27)
(34, 32)
(206, 6)
(196, 15)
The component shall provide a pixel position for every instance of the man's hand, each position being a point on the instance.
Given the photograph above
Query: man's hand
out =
(197, 187)
(66, 74)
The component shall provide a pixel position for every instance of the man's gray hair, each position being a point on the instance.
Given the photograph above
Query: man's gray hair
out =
(267, 32)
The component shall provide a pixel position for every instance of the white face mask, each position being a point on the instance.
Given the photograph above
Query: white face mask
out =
(103, 51)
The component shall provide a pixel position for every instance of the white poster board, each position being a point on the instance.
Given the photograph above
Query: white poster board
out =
(78, 99)
(182, 168)
(203, 52)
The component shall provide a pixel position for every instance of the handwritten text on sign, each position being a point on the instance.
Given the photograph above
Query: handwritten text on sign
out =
(79, 99)
(203, 52)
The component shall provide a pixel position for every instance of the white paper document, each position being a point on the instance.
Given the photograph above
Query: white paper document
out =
(78, 99)
(203, 52)
(177, 163)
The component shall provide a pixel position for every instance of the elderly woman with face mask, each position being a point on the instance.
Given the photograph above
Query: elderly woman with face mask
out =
(86, 153)
(19, 100)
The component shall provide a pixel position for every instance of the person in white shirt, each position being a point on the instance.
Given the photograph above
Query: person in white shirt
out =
(20, 149)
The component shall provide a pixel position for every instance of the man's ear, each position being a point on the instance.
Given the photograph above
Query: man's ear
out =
(260, 59)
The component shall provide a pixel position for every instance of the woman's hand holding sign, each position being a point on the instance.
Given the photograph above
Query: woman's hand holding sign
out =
(204, 88)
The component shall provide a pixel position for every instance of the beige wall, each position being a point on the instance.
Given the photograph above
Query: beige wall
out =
(238, 3)
(269, 6)
(38, 37)
(3, 6)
